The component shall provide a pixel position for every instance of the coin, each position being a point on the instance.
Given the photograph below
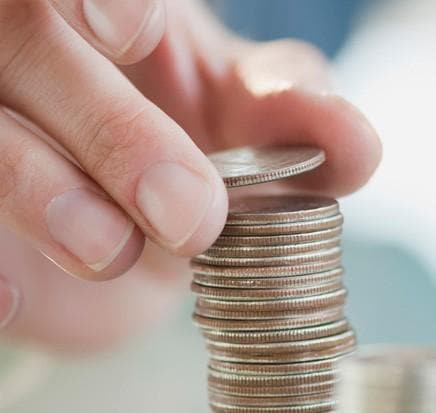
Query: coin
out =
(274, 240)
(278, 321)
(271, 251)
(250, 165)
(331, 299)
(295, 281)
(275, 369)
(260, 295)
(296, 259)
(274, 391)
(277, 336)
(279, 209)
(257, 402)
(323, 407)
(225, 379)
(262, 272)
(297, 315)
(284, 347)
(284, 229)
(290, 357)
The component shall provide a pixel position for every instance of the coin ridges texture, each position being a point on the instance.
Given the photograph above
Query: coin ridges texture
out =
(279, 209)
(331, 299)
(250, 165)
(270, 282)
(281, 322)
(273, 391)
(264, 294)
(297, 259)
(325, 407)
(271, 381)
(275, 240)
(284, 229)
(274, 336)
(270, 294)
(284, 347)
(271, 251)
(261, 272)
(297, 357)
(284, 401)
(260, 370)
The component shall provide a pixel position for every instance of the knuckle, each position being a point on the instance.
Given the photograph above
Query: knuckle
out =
(110, 143)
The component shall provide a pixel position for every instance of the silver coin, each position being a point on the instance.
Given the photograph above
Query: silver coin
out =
(271, 251)
(275, 369)
(296, 259)
(284, 229)
(274, 391)
(284, 347)
(299, 334)
(296, 281)
(298, 315)
(322, 407)
(233, 294)
(258, 402)
(225, 379)
(250, 165)
(330, 299)
(279, 209)
(263, 272)
(261, 322)
(297, 357)
(273, 240)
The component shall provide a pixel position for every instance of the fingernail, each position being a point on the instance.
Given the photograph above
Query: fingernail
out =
(174, 200)
(118, 24)
(9, 302)
(89, 227)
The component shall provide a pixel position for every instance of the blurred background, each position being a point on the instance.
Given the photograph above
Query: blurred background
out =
(324, 24)
(384, 61)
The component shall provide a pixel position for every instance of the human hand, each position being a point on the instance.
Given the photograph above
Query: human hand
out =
(100, 164)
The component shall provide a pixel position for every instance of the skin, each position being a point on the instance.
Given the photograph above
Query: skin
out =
(185, 88)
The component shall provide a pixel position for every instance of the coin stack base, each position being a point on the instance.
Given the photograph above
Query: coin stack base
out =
(270, 304)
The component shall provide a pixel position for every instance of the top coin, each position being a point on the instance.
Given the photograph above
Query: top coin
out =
(254, 165)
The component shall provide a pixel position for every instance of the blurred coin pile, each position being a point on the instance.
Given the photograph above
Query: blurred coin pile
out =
(388, 380)
(270, 304)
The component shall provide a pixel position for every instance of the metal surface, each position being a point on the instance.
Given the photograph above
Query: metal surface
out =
(250, 165)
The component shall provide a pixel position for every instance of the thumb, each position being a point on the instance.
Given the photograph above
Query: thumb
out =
(125, 32)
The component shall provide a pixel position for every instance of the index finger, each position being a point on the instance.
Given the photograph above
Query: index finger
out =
(279, 99)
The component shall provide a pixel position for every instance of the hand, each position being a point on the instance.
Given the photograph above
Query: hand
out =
(92, 161)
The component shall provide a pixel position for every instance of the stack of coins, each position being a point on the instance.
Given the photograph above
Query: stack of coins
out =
(270, 294)
(388, 380)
